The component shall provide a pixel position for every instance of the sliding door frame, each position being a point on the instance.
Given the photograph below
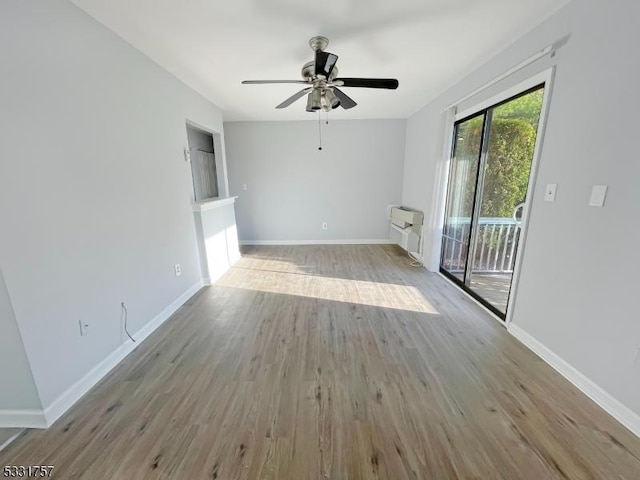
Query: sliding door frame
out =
(544, 78)
(475, 211)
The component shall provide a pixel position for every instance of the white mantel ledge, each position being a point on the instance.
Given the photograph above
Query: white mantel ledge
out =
(212, 203)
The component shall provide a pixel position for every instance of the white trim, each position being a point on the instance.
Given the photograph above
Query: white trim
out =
(384, 241)
(441, 184)
(33, 418)
(548, 50)
(68, 398)
(212, 204)
(615, 408)
(547, 78)
(505, 94)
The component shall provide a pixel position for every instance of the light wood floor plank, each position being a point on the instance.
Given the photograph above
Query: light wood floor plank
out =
(340, 362)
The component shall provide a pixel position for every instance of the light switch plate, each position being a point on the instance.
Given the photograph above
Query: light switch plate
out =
(550, 192)
(598, 195)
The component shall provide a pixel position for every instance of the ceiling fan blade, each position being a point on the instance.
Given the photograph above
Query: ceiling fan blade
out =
(259, 82)
(346, 101)
(389, 83)
(295, 97)
(325, 62)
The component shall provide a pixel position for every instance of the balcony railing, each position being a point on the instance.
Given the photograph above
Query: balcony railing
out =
(496, 244)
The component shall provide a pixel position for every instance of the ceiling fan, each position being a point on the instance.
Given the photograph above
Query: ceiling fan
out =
(321, 77)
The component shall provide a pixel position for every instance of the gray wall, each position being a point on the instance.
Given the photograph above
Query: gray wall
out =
(17, 388)
(95, 194)
(579, 271)
(292, 187)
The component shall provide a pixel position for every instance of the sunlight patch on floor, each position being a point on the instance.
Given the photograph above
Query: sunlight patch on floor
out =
(385, 295)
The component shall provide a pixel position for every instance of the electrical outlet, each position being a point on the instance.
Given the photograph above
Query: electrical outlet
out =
(85, 328)
(550, 192)
(324, 226)
(178, 269)
(244, 186)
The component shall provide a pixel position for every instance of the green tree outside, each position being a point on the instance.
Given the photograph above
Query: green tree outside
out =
(512, 141)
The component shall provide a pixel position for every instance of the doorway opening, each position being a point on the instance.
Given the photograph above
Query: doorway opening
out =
(204, 168)
(489, 176)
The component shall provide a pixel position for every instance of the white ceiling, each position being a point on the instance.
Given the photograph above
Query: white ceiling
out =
(426, 44)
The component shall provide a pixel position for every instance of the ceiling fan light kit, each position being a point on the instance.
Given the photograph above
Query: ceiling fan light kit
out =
(329, 100)
(321, 79)
(314, 100)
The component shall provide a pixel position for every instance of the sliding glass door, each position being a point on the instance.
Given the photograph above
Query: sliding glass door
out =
(461, 194)
(487, 190)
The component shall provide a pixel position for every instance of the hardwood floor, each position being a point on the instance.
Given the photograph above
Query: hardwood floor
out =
(340, 362)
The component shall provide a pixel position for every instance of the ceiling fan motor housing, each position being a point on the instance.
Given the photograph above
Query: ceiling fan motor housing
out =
(308, 70)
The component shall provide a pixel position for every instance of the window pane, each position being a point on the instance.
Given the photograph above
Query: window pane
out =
(513, 127)
(460, 195)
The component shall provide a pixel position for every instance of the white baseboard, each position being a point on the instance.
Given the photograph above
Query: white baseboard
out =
(65, 401)
(384, 241)
(616, 409)
(22, 419)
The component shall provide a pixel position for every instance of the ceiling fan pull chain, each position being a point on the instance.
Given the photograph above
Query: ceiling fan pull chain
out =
(319, 131)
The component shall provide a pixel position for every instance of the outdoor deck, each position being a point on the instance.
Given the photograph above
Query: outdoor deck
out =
(493, 287)
(494, 256)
